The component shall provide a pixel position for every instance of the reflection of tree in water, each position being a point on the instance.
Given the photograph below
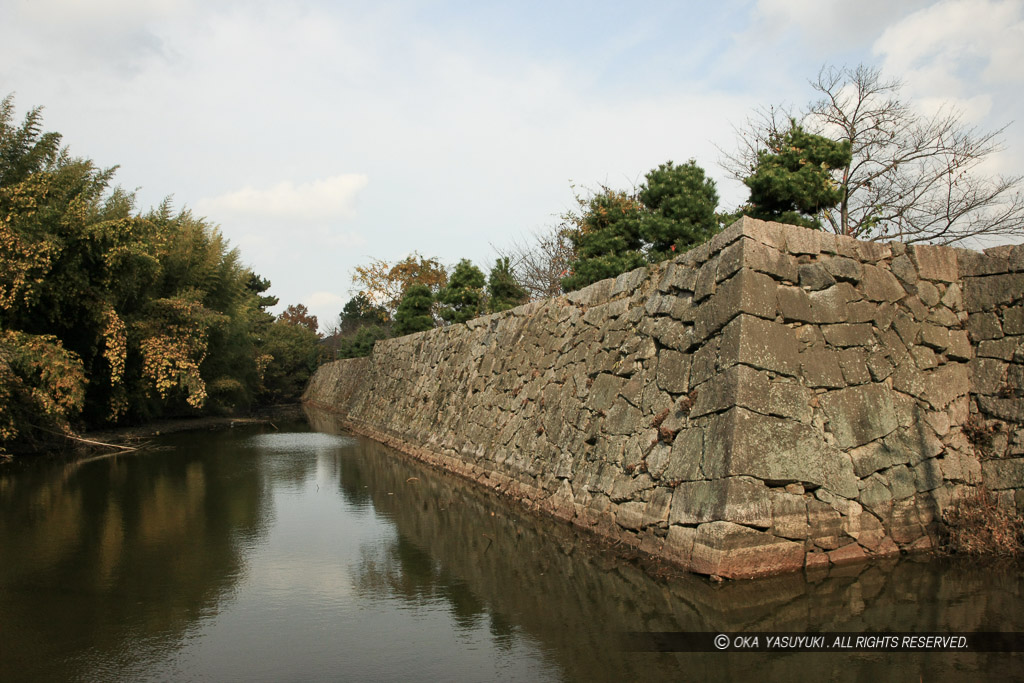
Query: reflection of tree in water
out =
(119, 550)
(537, 577)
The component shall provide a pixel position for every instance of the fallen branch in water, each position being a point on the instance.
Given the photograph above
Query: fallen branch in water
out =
(72, 437)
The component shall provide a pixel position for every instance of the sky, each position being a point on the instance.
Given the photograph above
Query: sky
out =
(320, 135)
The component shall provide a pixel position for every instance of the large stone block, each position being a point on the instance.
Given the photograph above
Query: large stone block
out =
(936, 263)
(986, 293)
(945, 384)
(878, 284)
(733, 551)
(743, 443)
(741, 385)
(1003, 474)
(759, 343)
(673, 373)
(789, 515)
(745, 292)
(857, 415)
(743, 500)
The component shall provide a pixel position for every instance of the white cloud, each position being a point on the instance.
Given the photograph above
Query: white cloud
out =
(950, 46)
(106, 11)
(327, 198)
(825, 25)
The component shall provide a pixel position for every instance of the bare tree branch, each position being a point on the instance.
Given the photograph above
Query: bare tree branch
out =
(912, 177)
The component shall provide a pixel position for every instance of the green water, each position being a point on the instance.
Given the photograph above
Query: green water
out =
(295, 555)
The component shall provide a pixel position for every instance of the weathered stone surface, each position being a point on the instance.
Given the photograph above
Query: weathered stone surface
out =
(629, 515)
(743, 500)
(759, 343)
(741, 385)
(744, 443)
(928, 294)
(622, 418)
(936, 263)
(1004, 348)
(605, 390)
(745, 292)
(820, 368)
(1013, 320)
(944, 384)
(658, 507)
(935, 337)
(849, 334)
(843, 268)
(903, 268)
(803, 241)
(789, 515)
(875, 457)
(859, 414)
(848, 554)
(673, 371)
(769, 398)
(985, 293)
(873, 252)
(1003, 474)
(814, 276)
(984, 326)
(686, 457)
(826, 524)
(880, 285)
(738, 552)
(854, 363)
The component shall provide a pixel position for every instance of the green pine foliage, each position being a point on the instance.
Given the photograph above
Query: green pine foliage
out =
(680, 203)
(463, 297)
(792, 181)
(503, 292)
(414, 311)
(672, 211)
(359, 312)
(608, 239)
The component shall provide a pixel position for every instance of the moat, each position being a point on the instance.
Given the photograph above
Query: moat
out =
(303, 553)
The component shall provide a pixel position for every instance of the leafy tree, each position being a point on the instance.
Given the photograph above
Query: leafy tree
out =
(680, 203)
(298, 314)
(109, 315)
(463, 297)
(911, 177)
(793, 182)
(295, 348)
(503, 292)
(414, 311)
(384, 284)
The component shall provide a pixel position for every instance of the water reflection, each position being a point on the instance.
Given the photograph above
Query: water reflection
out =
(292, 555)
(540, 579)
(101, 553)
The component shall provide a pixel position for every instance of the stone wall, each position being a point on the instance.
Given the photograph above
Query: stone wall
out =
(777, 398)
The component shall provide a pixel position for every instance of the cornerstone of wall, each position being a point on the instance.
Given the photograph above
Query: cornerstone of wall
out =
(775, 399)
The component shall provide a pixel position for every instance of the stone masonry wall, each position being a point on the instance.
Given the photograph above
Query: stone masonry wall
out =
(777, 398)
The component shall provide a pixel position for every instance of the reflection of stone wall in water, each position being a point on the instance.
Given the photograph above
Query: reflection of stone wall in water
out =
(774, 399)
(516, 572)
